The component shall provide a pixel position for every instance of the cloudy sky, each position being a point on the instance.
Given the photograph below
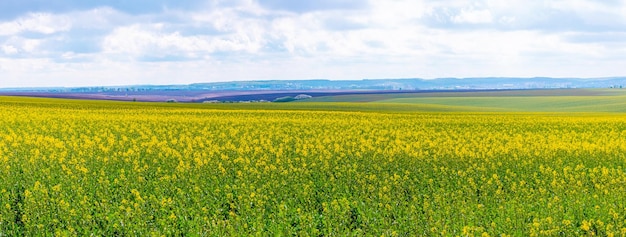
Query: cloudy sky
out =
(118, 42)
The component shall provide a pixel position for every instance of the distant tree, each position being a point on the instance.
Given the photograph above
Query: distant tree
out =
(284, 99)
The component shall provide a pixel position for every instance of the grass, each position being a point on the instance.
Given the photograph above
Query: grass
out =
(529, 104)
(563, 100)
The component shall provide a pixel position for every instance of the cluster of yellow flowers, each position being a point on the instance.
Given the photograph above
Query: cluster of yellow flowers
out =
(109, 168)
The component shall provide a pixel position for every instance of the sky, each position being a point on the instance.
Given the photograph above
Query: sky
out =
(117, 42)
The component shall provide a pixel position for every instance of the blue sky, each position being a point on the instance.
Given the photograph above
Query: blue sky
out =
(118, 42)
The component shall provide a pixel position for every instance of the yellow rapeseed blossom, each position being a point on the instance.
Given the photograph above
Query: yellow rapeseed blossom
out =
(111, 168)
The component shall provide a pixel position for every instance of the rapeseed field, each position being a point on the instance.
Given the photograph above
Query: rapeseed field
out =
(108, 168)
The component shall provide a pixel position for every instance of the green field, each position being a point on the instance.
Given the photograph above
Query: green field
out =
(571, 100)
(544, 103)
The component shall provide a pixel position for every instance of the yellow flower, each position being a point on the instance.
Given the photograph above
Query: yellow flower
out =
(586, 225)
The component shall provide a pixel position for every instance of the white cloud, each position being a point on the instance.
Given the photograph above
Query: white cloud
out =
(98, 18)
(473, 16)
(44, 23)
(138, 41)
(17, 45)
(394, 14)
(9, 49)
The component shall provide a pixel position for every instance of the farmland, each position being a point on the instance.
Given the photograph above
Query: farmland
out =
(403, 167)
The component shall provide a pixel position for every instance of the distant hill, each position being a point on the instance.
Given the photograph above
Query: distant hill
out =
(365, 84)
